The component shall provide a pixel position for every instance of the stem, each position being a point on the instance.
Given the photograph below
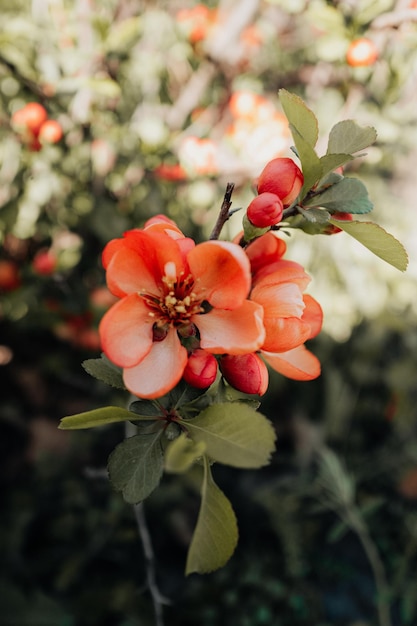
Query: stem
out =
(158, 599)
(377, 566)
(224, 212)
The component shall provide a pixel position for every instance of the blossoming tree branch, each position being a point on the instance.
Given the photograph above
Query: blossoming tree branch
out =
(197, 326)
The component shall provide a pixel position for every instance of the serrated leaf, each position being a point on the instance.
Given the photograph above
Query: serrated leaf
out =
(316, 216)
(300, 116)
(377, 240)
(347, 196)
(348, 137)
(310, 162)
(97, 417)
(330, 162)
(180, 395)
(145, 408)
(104, 370)
(216, 533)
(182, 453)
(234, 434)
(136, 466)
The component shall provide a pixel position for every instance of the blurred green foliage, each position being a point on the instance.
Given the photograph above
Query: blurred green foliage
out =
(144, 94)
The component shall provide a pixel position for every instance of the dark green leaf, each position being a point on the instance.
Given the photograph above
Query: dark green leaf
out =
(104, 370)
(180, 395)
(377, 240)
(347, 196)
(136, 466)
(316, 216)
(330, 162)
(348, 137)
(216, 533)
(234, 434)
(146, 408)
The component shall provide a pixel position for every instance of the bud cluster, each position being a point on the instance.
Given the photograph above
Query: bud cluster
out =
(278, 186)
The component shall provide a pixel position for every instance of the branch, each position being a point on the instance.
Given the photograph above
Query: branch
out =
(224, 212)
(158, 599)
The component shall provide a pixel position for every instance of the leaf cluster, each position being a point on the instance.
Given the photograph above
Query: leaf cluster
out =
(188, 427)
(325, 193)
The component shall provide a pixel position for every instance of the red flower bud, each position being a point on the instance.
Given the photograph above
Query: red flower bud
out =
(245, 372)
(201, 369)
(282, 177)
(9, 275)
(44, 262)
(31, 117)
(361, 52)
(50, 132)
(265, 210)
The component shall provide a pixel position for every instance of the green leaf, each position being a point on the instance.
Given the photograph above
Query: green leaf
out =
(146, 408)
(316, 216)
(96, 417)
(300, 116)
(234, 434)
(310, 162)
(348, 137)
(136, 466)
(104, 370)
(347, 196)
(182, 453)
(180, 395)
(330, 162)
(377, 240)
(216, 533)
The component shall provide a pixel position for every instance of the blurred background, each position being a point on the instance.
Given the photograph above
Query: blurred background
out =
(151, 107)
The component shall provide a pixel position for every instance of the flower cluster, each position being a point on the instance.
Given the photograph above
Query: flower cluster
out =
(186, 310)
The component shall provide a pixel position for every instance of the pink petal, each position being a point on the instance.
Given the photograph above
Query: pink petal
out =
(232, 332)
(298, 364)
(221, 270)
(126, 331)
(265, 250)
(160, 370)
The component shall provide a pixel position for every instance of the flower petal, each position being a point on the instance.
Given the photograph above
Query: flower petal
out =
(313, 315)
(279, 300)
(128, 273)
(265, 250)
(126, 331)
(160, 370)
(233, 332)
(298, 364)
(284, 333)
(283, 272)
(221, 271)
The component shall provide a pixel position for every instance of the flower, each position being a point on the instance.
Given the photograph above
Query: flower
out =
(175, 294)
(290, 316)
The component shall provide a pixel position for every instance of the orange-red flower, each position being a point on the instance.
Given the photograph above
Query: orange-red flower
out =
(170, 290)
(290, 316)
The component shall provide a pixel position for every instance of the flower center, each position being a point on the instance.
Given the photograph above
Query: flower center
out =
(177, 302)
